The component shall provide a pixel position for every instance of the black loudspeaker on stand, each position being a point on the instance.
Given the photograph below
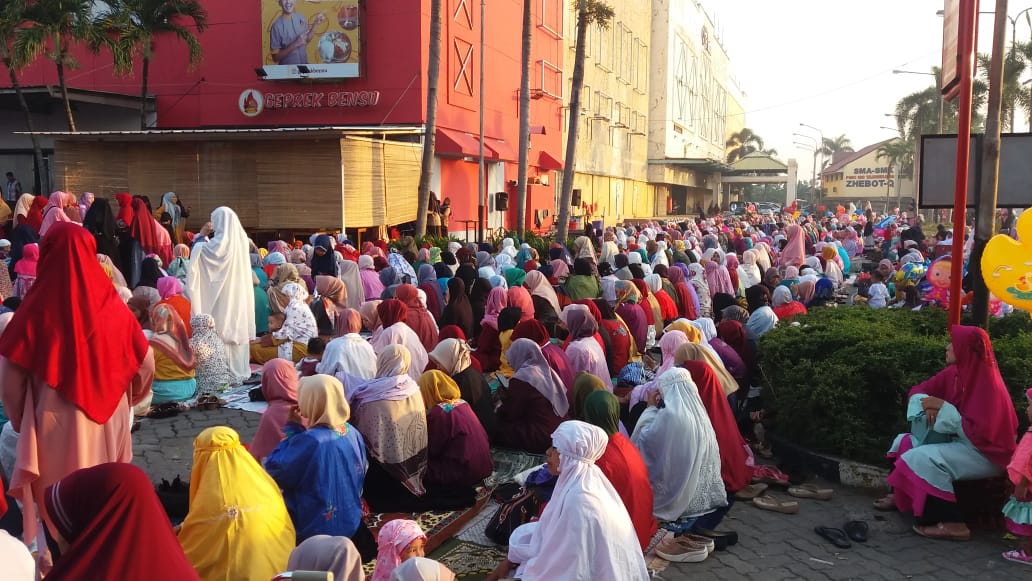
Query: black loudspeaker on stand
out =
(576, 201)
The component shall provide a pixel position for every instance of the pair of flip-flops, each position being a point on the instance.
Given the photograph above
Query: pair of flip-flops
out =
(855, 530)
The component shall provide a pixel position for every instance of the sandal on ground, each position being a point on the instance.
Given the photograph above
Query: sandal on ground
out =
(810, 491)
(165, 410)
(773, 504)
(940, 532)
(1018, 556)
(834, 536)
(886, 503)
(208, 402)
(856, 530)
(751, 491)
(727, 538)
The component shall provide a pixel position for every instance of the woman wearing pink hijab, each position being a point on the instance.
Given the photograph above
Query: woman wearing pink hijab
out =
(718, 279)
(54, 212)
(398, 541)
(794, 253)
(963, 427)
(279, 386)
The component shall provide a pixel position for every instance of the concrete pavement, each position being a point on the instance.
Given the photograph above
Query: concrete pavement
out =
(772, 546)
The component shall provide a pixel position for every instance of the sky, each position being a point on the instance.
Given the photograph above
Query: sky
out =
(829, 63)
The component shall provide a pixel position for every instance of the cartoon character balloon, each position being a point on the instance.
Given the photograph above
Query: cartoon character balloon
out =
(938, 278)
(1007, 265)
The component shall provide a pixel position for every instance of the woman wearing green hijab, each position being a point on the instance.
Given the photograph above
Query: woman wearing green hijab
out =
(515, 277)
(622, 464)
(584, 385)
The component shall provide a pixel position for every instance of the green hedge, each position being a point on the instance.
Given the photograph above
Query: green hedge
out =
(839, 379)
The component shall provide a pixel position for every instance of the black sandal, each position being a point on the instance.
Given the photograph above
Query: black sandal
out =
(165, 410)
(834, 536)
(727, 538)
(857, 530)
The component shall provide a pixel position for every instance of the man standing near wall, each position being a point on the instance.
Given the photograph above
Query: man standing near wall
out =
(12, 190)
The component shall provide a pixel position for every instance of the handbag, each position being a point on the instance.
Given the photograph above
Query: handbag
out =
(518, 510)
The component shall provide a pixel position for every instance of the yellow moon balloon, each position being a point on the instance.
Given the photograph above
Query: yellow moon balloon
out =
(1007, 265)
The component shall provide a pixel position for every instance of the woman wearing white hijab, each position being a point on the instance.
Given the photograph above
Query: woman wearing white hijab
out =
(421, 569)
(218, 283)
(609, 252)
(348, 358)
(352, 279)
(584, 531)
(508, 248)
(680, 449)
(748, 272)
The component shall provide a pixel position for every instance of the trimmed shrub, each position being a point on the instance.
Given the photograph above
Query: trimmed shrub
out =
(839, 379)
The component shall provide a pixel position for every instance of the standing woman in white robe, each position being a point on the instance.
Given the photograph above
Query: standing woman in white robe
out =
(584, 531)
(219, 283)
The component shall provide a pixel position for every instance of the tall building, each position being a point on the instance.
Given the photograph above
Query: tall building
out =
(611, 179)
(694, 105)
(311, 110)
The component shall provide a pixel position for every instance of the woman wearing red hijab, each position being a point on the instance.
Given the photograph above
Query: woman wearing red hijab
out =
(733, 469)
(125, 209)
(418, 318)
(98, 512)
(153, 238)
(73, 360)
(35, 218)
(963, 427)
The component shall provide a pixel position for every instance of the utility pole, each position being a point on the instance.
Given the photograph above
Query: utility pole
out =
(986, 210)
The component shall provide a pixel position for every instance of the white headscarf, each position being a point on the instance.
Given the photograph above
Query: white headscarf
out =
(299, 325)
(218, 282)
(680, 450)
(352, 280)
(348, 358)
(748, 272)
(609, 252)
(508, 248)
(401, 334)
(585, 531)
(421, 569)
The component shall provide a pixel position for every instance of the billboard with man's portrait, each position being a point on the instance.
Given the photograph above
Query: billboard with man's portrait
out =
(322, 35)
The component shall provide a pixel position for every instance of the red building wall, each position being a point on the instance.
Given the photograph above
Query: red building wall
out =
(395, 38)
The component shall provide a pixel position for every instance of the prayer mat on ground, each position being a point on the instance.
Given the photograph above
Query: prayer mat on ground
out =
(508, 463)
(469, 561)
(654, 562)
(439, 526)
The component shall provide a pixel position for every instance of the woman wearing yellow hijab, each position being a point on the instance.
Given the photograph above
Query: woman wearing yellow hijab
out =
(458, 454)
(238, 528)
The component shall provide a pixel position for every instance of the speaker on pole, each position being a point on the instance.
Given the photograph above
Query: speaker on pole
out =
(501, 201)
(576, 201)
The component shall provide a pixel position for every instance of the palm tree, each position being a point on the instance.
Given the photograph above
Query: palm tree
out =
(1024, 97)
(918, 113)
(832, 145)
(10, 20)
(433, 75)
(58, 24)
(743, 143)
(900, 156)
(521, 196)
(589, 12)
(135, 23)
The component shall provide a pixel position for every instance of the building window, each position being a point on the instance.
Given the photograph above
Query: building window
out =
(603, 106)
(462, 81)
(640, 67)
(604, 54)
(551, 79)
(551, 18)
(681, 82)
(625, 52)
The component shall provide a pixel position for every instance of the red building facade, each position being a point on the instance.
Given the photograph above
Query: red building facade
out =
(233, 88)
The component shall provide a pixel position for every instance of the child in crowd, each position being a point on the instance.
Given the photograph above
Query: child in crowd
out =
(507, 321)
(878, 294)
(399, 540)
(306, 367)
(1018, 510)
(266, 347)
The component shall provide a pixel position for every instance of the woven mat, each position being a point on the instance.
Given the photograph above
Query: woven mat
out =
(469, 561)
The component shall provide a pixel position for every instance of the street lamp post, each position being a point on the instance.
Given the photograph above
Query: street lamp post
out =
(806, 146)
(820, 147)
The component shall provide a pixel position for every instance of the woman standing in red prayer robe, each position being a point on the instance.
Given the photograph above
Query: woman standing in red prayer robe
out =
(73, 361)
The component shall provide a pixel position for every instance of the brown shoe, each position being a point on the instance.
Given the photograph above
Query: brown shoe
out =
(944, 532)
